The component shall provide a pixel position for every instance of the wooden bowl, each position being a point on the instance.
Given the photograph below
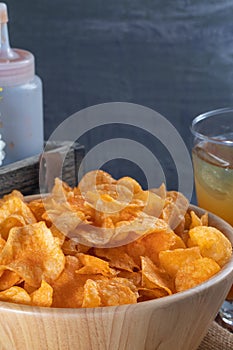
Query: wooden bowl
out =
(179, 321)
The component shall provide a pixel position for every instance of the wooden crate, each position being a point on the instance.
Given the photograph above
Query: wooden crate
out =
(24, 175)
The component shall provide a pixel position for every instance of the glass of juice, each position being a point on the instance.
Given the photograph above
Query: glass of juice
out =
(213, 172)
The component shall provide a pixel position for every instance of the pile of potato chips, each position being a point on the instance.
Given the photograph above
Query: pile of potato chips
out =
(105, 242)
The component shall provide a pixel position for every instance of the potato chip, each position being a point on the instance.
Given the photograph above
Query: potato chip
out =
(8, 279)
(37, 208)
(14, 193)
(149, 294)
(175, 207)
(33, 253)
(9, 222)
(14, 205)
(71, 247)
(134, 277)
(15, 295)
(2, 243)
(140, 227)
(43, 296)
(116, 291)
(212, 243)
(195, 220)
(195, 272)
(172, 260)
(94, 178)
(118, 258)
(93, 265)
(91, 296)
(152, 203)
(68, 288)
(153, 277)
(156, 242)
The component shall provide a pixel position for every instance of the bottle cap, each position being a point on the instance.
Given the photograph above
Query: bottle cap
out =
(16, 66)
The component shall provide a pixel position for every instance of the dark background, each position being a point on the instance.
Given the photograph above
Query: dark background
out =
(173, 56)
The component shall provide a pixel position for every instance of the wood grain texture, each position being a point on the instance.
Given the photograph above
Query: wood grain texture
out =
(176, 322)
(24, 175)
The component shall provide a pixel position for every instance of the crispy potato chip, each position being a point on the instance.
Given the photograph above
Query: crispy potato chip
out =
(141, 226)
(205, 219)
(117, 258)
(43, 296)
(33, 253)
(93, 265)
(130, 183)
(14, 205)
(8, 279)
(2, 243)
(14, 193)
(153, 277)
(195, 220)
(91, 296)
(15, 295)
(156, 242)
(134, 277)
(94, 178)
(175, 207)
(68, 288)
(195, 272)
(9, 222)
(160, 191)
(37, 208)
(148, 294)
(116, 291)
(172, 260)
(71, 247)
(212, 243)
(152, 203)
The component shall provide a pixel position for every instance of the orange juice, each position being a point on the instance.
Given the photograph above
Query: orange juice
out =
(213, 171)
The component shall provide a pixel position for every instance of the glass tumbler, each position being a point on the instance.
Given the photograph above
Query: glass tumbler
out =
(212, 155)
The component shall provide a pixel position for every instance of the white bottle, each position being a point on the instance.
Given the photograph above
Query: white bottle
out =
(21, 106)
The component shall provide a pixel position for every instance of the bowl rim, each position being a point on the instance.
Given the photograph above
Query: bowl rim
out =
(165, 301)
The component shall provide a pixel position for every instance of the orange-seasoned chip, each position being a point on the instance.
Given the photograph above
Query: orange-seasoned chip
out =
(91, 296)
(68, 288)
(8, 279)
(195, 272)
(118, 258)
(174, 209)
(92, 179)
(93, 265)
(37, 208)
(134, 277)
(14, 205)
(9, 222)
(43, 296)
(2, 243)
(148, 294)
(165, 239)
(33, 253)
(152, 204)
(212, 243)
(153, 277)
(117, 291)
(15, 295)
(172, 260)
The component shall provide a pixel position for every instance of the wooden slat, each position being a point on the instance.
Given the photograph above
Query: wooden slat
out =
(24, 175)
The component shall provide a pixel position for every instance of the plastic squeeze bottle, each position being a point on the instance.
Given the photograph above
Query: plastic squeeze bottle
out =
(21, 105)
